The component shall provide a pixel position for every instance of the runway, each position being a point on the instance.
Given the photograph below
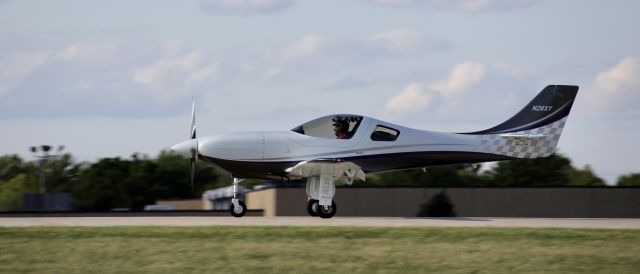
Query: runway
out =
(310, 221)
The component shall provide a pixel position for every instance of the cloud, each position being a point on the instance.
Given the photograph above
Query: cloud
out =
(244, 7)
(173, 74)
(461, 77)
(461, 5)
(14, 67)
(316, 52)
(621, 77)
(306, 47)
(88, 51)
(93, 78)
(616, 87)
(414, 97)
(418, 96)
(400, 40)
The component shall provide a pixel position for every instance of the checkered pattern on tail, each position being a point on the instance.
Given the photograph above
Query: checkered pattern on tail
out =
(531, 148)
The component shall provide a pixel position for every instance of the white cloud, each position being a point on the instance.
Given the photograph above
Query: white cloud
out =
(315, 51)
(462, 5)
(173, 47)
(244, 7)
(418, 96)
(202, 75)
(109, 78)
(414, 97)
(14, 67)
(461, 77)
(308, 46)
(398, 40)
(87, 51)
(624, 75)
(618, 86)
(173, 74)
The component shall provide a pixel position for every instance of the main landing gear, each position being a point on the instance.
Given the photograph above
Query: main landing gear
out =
(316, 210)
(321, 188)
(238, 208)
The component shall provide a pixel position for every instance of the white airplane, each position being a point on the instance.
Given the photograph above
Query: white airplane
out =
(344, 147)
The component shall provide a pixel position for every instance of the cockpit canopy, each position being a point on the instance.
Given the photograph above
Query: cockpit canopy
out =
(341, 126)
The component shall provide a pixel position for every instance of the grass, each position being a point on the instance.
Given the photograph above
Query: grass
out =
(316, 250)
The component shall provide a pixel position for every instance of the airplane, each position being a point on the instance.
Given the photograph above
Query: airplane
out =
(342, 148)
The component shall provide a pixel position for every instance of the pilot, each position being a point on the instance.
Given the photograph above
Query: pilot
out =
(341, 129)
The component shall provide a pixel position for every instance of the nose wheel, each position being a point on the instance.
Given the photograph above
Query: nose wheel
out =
(316, 210)
(238, 208)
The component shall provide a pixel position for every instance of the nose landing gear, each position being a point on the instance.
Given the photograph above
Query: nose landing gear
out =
(238, 208)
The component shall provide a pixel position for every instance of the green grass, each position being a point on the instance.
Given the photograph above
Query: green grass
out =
(316, 250)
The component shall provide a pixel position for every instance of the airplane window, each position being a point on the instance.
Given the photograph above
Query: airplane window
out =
(382, 133)
(331, 127)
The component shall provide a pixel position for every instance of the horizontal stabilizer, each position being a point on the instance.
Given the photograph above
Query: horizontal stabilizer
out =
(522, 136)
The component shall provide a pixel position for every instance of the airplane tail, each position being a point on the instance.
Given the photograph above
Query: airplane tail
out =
(535, 130)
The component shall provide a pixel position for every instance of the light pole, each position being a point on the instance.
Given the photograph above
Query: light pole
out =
(42, 161)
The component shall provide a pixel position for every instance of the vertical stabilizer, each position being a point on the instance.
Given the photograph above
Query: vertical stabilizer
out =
(535, 130)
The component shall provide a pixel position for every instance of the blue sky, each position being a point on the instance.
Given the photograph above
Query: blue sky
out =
(110, 78)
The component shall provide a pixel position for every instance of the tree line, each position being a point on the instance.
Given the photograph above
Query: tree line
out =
(138, 181)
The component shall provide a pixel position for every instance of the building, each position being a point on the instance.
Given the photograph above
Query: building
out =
(552, 202)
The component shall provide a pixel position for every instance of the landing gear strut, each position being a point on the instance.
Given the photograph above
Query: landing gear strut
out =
(320, 190)
(238, 208)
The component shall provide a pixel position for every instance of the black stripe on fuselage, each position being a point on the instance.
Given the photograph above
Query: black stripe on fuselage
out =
(368, 163)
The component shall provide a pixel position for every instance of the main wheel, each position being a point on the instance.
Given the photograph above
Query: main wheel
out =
(327, 211)
(312, 208)
(238, 211)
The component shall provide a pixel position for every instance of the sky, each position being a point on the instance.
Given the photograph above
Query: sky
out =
(114, 78)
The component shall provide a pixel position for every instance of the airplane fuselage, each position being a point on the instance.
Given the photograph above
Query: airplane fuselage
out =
(266, 154)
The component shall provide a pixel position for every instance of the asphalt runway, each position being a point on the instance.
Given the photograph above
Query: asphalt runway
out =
(310, 221)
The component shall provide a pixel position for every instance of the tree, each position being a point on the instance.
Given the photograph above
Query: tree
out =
(10, 166)
(555, 170)
(584, 177)
(440, 176)
(11, 192)
(632, 179)
(116, 182)
(548, 171)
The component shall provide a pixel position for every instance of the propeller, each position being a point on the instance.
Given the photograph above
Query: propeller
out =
(194, 149)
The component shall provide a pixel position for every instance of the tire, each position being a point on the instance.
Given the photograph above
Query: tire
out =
(239, 213)
(310, 205)
(327, 213)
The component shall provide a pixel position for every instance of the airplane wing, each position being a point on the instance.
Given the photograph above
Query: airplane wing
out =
(345, 171)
